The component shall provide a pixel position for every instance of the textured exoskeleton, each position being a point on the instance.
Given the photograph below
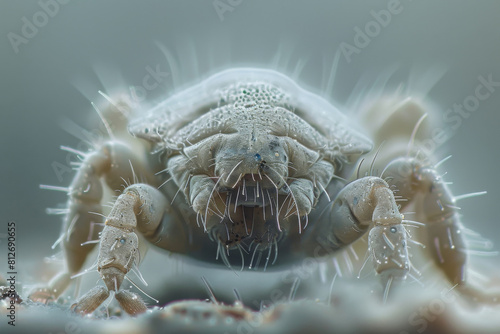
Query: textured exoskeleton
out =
(248, 160)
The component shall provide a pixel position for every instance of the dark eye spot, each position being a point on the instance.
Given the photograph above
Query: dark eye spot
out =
(273, 144)
(122, 241)
(146, 130)
(285, 157)
(257, 157)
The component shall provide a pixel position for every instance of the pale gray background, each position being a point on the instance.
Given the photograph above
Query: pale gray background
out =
(37, 88)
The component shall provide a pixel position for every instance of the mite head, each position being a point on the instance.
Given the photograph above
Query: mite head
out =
(247, 198)
(252, 173)
(260, 158)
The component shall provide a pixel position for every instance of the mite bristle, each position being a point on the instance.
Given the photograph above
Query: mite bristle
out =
(322, 270)
(137, 273)
(134, 176)
(324, 190)
(337, 267)
(103, 120)
(483, 244)
(416, 243)
(56, 211)
(142, 291)
(481, 253)
(58, 241)
(253, 256)
(469, 195)
(275, 251)
(242, 258)
(71, 226)
(415, 279)
(386, 290)
(72, 150)
(414, 133)
(375, 157)
(333, 72)
(90, 242)
(348, 261)
(209, 290)
(108, 302)
(359, 168)
(367, 257)
(412, 223)
(267, 257)
(442, 162)
(99, 214)
(237, 295)
(293, 289)
(108, 99)
(82, 273)
(55, 188)
(331, 290)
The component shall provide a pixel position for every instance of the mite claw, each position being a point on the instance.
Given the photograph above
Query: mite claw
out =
(90, 301)
(42, 295)
(131, 302)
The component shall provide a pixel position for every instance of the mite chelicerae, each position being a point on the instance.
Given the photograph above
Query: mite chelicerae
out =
(247, 161)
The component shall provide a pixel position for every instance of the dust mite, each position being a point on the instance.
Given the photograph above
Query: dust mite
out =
(248, 162)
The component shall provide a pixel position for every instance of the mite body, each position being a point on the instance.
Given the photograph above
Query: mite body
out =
(249, 162)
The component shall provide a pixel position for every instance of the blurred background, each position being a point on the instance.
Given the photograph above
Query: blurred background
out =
(55, 56)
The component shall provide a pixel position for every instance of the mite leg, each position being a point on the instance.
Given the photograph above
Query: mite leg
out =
(140, 209)
(84, 197)
(361, 204)
(306, 189)
(197, 187)
(390, 122)
(111, 161)
(436, 208)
